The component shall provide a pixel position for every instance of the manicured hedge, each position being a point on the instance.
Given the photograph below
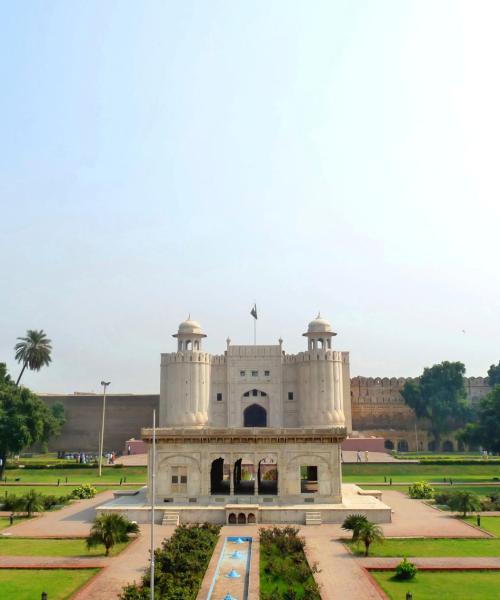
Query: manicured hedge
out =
(180, 565)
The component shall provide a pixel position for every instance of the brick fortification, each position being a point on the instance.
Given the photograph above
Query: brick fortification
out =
(377, 409)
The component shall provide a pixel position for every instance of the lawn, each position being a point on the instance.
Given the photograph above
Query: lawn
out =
(480, 490)
(431, 547)
(408, 473)
(47, 547)
(491, 524)
(445, 585)
(54, 490)
(5, 521)
(110, 475)
(28, 584)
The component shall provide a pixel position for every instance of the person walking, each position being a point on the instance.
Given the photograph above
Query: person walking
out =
(358, 456)
(366, 455)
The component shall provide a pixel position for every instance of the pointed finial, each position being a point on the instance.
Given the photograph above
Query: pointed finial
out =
(319, 315)
(189, 317)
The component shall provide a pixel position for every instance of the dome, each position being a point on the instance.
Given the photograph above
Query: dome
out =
(320, 325)
(190, 327)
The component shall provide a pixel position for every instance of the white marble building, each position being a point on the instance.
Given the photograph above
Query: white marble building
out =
(252, 435)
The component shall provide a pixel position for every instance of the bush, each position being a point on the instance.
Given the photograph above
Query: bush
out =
(442, 497)
(405, 570)
(84, 491)
(464, 502)
(421, 490)
(49, 502)
(354, 523)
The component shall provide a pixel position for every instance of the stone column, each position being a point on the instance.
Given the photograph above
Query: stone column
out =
(231, 478)
(256, 474)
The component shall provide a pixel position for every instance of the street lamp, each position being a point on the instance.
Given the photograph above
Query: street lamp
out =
(101, 440)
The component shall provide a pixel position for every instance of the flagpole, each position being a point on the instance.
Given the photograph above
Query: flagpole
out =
(153, 494)
(255, 332)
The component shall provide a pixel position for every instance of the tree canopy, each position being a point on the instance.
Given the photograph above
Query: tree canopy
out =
(33, 351)
(485, 431)
(24, 418)
(494, 375)
(439, 395)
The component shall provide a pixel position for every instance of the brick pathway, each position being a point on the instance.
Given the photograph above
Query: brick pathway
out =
(125, 568)
(71, 521)
(52, 562)
(437, 562)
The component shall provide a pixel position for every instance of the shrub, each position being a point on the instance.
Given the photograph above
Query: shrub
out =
(109, 530)
(10, 502)
(50, 501)
(421, 490)
(84, 491)
(464, 502)
(354, 523)
(442, 497)
(405, 570)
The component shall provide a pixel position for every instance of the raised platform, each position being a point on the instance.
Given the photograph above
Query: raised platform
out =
(354, 500)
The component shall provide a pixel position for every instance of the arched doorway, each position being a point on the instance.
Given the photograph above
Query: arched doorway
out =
(244, 477)
(219, 477)
(242, 520)
(402, 446)
(389, 445)
(232, 519)
(447, 446)
(267, 476)
(251, 518)
(255, 416)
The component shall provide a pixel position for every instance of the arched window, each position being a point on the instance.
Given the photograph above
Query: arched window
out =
(255, 416)
(402, 446)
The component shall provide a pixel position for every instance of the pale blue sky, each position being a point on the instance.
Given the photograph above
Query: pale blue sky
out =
(160, 158)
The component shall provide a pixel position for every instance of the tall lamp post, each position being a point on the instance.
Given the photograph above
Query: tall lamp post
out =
(101, 439)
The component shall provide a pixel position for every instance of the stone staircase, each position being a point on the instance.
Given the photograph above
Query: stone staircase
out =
(170, 517)
(313, 518)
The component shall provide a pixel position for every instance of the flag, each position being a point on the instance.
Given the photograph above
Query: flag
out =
(253, 312)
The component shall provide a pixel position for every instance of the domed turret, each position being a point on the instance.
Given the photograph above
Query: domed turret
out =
(189, 335)
(320, 333)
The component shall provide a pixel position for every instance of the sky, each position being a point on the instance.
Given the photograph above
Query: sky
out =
(165, 158)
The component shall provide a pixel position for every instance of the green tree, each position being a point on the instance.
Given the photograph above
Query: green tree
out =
(354, 523)
(485, 431)
(464, 502)
(439, 395)
(110, 529)
(494, 375)
(31, 502)
(368, 533)
(24, 419)
(33, 351)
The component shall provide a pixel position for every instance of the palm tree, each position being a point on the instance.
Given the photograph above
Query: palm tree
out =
(464, 502)
(33, 351)
(31, 502)
(353, 523)
(110, 529)
(368, 533)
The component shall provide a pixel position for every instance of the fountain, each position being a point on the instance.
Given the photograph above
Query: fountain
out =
(236, 554)
(229, 597)
(233, 574)
(238, 541)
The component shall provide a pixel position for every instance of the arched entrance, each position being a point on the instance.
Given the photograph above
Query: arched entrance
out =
(402, 446)
(244, 477)
(255, 416)
(267, 476)
(219, 477)
(389, 445)
(242, 520)
(232, 519)
(447, 446)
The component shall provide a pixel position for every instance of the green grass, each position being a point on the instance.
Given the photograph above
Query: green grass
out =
(445, 585)
(480, 490)
(53, 490)
(46, 547)
(432, 547)
(491, 524)
(5, 521)
(28, 584)
(77, 476)
(408, 473)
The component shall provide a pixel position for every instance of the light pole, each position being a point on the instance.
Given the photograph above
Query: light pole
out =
(101, 440)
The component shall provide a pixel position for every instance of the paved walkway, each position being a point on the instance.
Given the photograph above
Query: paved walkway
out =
(71, 521)
(127, 567)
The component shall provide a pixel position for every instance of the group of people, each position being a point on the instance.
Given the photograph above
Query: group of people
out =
(358, 456)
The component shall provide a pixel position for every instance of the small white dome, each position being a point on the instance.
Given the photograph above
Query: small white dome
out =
(320, 325)
(189, 327)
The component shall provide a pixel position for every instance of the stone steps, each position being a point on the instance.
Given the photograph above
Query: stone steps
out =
(170, 518)
(313, 518)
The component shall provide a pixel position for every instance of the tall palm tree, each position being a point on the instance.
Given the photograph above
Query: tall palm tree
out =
(110, 529)
(33, 351)
(369, 533)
